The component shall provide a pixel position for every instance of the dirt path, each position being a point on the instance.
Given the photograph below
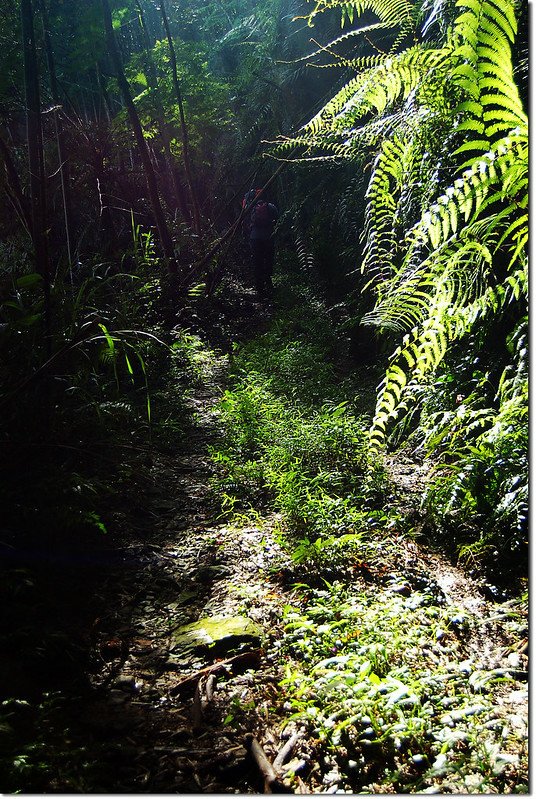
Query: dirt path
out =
(181, 564)
(159, 718)
(164, 714)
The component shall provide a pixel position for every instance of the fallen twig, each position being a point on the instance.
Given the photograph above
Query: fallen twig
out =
(302, 787)
(253, 657)
(197, 709)
(209, 687)
(262, 762)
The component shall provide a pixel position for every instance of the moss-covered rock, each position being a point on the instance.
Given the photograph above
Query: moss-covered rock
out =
(224, 634)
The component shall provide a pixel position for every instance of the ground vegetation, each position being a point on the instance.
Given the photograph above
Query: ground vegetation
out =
(294, 526)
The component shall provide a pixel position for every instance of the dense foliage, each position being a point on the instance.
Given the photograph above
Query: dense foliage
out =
(393, 137)
(438, 116)
(293, 434)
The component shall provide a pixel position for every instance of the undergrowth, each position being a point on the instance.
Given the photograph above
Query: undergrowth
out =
(375, 662)
(83, 414)
(88, 399)
(293, 435)
(378, 680)
(473, 429)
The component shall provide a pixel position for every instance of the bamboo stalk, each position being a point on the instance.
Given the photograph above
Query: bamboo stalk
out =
(184, 129)
(161, 224)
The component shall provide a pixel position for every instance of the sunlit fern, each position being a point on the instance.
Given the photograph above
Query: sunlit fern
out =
(398, 15)
(447, 195)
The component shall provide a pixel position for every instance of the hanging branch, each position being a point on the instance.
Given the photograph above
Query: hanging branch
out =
(161, 224)
(184, 129)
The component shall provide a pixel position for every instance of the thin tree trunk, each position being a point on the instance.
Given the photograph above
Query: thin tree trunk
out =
(107, 228)
(163, 230)
(105, 99)
(60, 135)
(173, 181)
(36, 155)
(151, 69)
(19, 200)
(184, 129)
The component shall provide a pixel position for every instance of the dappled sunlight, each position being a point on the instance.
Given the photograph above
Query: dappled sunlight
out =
(264, 474)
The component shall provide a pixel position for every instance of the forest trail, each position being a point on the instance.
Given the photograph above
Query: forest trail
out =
(275, 546)
(165, 715)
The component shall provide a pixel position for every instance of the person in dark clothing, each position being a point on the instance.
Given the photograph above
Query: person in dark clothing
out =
(261, 241)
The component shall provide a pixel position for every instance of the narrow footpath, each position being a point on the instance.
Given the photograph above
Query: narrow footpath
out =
(193, 668)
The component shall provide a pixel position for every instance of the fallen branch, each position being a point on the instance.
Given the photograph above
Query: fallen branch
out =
(197, 709)
(244, 658)
(285, 751)
(272, 784)
(263, 764)
(209, 687)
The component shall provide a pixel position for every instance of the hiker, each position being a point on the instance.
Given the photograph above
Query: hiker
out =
(260, 229)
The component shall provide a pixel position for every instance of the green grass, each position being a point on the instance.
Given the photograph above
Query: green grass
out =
(379, 675)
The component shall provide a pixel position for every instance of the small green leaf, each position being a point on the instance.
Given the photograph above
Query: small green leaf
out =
(129, 365)
(28, 281)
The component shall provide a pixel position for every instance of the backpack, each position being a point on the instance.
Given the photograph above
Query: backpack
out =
(249, 196)
(261, 214)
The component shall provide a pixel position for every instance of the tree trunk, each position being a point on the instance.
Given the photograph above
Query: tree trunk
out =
(161, 224)
(173, 182)
(184, 129)
(20, 202)
(35, 155)
(60, 135)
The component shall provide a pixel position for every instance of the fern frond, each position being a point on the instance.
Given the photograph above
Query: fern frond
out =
(424, 348)
(484, 33)
(343, 38)
(390, 170)
(430, 246)
(443, 281)
(393, 78)
(303, 250)
(393, 12)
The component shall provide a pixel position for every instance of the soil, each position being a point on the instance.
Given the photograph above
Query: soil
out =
(155, 719)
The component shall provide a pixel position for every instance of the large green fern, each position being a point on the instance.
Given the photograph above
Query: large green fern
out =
(447, 196)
